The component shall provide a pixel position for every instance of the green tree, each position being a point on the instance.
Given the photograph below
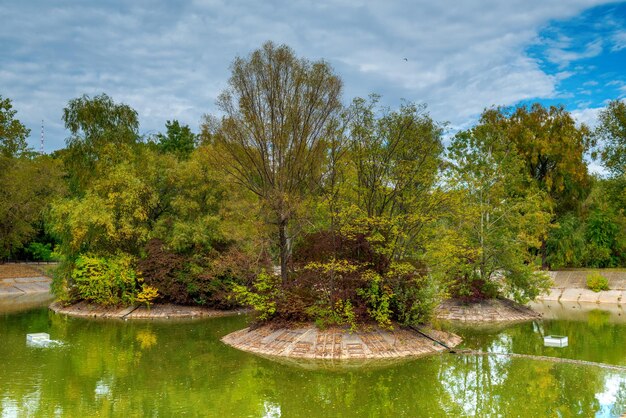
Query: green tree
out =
(13, 133)
(27, 186)
(611, 132)
(278, 113)
(552, 148)
(595, 236)
(504, 215)
(101, 132)
(189, 213)
(363, 256)
(111, 216)
(395, 157)
(178, 139)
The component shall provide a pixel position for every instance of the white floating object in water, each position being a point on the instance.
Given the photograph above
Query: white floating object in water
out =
(555, 341)
(39, 336)
(38, 339)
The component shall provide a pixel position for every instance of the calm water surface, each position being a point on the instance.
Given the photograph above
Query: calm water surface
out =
(156, 369)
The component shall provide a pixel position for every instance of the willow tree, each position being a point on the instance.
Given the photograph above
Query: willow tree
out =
(278, 111)
(101, 131)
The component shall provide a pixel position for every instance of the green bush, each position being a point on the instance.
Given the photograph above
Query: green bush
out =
(40, 252)
(378, 298)
(597, 282)
(325, 315)
(415, 300)
(106, 281)
(262, 297)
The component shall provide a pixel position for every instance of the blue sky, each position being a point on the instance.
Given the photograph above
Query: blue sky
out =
(170, 60)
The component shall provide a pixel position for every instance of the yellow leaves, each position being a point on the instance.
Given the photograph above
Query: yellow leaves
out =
(147, 294)
(262, 297)
(146, 339)
(106, 281)
(334, 266)
(112, 214)
(398, 269)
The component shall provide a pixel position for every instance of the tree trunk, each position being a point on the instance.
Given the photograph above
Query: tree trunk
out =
(544, 255)
(284, 249)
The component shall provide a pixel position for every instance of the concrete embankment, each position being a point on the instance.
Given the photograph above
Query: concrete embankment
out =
(22, 287)
(571, 286)
(20, 279)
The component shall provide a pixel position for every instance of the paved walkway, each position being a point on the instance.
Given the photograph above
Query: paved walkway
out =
(564, 279)
(22, 287)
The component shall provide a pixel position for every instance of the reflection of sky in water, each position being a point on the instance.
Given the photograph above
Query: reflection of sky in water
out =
(613, 399)
(102, 389)
(501, 345)
(28, 406)
(271, 410)
(9, 408)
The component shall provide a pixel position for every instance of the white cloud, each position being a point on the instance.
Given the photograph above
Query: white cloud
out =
(564, 56)
(588, 116)
(619, 41)
(170, 60)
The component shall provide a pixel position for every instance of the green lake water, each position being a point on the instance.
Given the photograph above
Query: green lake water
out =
(171, 369)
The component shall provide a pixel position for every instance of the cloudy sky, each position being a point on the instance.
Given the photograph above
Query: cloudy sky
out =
(170, 60)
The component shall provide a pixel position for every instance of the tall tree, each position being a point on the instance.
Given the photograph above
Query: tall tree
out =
(503, 216)
(278, 113)
(552, 148)
(611, 131)
(13, 133)
(396, 157)
(100, 130)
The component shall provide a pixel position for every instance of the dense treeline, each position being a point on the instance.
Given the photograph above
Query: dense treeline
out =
(363, 210)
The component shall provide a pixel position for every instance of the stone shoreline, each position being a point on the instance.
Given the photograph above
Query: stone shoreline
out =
(156, 311)
(490, 310)
(309, 342)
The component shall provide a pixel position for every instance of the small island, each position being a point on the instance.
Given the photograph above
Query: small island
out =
(340, 343)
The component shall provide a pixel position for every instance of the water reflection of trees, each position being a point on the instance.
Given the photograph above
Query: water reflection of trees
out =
(134, 369)
(540, 388)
